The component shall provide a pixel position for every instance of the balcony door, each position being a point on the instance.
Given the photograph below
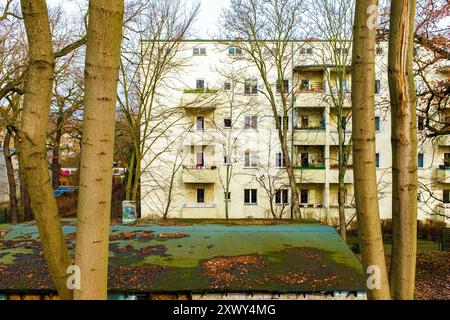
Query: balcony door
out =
(447, 160)
(201, 196)
(304, 196)
(305, 159)
(200, 123)
(200, 160)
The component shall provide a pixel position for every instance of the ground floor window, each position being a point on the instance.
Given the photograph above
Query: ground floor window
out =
(250, 196)
(282, 196)
(200, 195)
(227, 196)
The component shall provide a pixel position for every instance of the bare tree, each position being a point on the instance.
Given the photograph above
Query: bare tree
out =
(251, 23)
(31, 139)
(155, 29)
(104, 37)
(365, 179)
(333, 21)
(404, 150)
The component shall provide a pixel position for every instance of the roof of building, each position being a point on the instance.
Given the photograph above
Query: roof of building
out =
(197, 256)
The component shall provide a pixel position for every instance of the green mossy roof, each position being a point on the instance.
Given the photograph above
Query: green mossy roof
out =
(198, 256)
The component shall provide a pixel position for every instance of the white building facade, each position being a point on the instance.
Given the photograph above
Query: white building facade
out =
(215, 150)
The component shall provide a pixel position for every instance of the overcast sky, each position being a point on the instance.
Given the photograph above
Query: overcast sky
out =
(206, 25)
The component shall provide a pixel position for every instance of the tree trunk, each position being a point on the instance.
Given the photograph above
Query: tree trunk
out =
(56, 167)
(291, 175)
(104, 37)
(365, 178)
(341, 178)
(25, 205)
(24, 197)
(404, 150)
(13, 202)
(32, 141)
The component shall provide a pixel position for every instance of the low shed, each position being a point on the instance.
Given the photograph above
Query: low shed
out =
(193, 259)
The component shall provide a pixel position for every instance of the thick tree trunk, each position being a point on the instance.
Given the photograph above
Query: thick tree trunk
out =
(104, 37)
(404, 150)
(13, 202)
(365, 178)
(32, 141)
(25, 205)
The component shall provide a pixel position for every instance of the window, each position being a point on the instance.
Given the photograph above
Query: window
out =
(377, 160)
(200, 159)
(227, 196)
(421, 158)
(304, 84)
(305, 159)
(285, 87)
(233, 51)
(377, 123)
(420, 123)
(305, 122)
(250, 196)
(282, 196)
(306, 51)
(344, 123)
(200, 123)
(304, 196)
(341, 51)
(447, 160)
(226, 159)
(227, 86)
(227, 123)
(272, 51)
(250, 159)
(200, 195)
(279, 160)
(343, 83)
(251, 86)
(199, 51)
(251, 122)
(380, 50)
(446, 196)
(377, 86)
(282, 120)
(200, 84)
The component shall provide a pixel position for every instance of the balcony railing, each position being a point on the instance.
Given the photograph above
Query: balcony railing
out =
(199, 206)
(200, 91)
(311, 128)
(311, 167)
(313, 87)
(336, 167)
(199, 167)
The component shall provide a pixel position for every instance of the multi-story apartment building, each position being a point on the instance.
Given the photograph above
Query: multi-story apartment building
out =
(215, 149)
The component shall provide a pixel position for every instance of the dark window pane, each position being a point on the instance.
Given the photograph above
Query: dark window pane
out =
(200, 195)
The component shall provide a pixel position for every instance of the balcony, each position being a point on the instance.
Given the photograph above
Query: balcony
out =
(200, 211)
(200, 99)
(200, 175)
(200, 138)
(310, 136)
(443, 174)
(443, 141)
(334, 175)
(310, 174)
